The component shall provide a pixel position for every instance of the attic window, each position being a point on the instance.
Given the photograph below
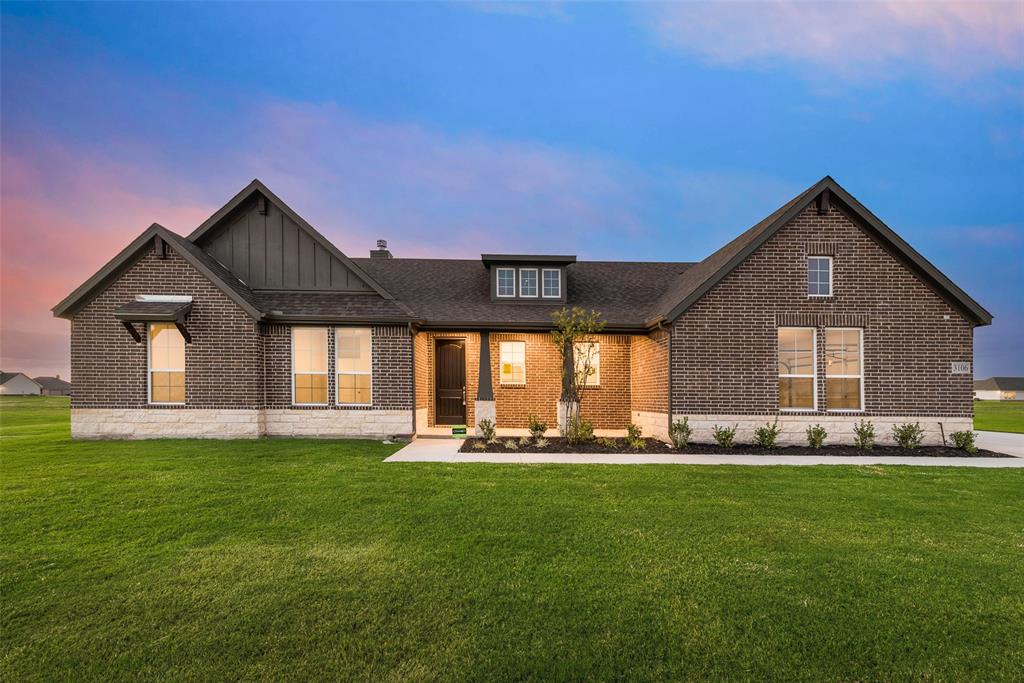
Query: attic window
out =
(506, 282)
(552, 283)
(528, 282)
(819, 276)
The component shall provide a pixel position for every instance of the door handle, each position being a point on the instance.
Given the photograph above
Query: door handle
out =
(463, 394)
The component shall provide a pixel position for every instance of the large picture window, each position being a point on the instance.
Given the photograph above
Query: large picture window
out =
(309, 365)
(353, 365)
(513, 362)
(797, 368)
(844, 369)
(581, 353)
(166, 364)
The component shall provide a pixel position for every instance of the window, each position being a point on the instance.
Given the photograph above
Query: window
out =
(309, 365)
(581, 351)
(527, 282)
(552, 283)
(819, 276)
(506, 282)
(166, 364)
(513, 362)
(796, 368)
(844, 369)
(353, 365)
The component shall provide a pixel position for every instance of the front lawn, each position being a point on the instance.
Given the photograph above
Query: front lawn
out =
(999, 416)
(313, 559)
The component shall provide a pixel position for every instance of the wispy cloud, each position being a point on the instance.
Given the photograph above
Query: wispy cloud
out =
(1009, 235)
(851, 40)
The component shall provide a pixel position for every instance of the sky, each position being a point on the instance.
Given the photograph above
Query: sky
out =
(610, 131)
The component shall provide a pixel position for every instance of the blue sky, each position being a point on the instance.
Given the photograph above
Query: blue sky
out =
(609, 131)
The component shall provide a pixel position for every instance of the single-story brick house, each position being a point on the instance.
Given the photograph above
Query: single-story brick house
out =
(999, 389)
(53, 386)
(255, 324)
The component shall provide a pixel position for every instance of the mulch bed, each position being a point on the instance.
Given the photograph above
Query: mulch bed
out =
(559, 445)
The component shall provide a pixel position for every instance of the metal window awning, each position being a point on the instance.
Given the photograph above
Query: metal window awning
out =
(154, 312)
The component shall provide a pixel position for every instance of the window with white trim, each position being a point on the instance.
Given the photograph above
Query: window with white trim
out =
(797, 373)
(844, 369)
(528, 282)
(309, 365)
(819, 276)
(353, 363)
(166, 364)
(506, 282)
(513, 362)
(582, 352)
(552, 281)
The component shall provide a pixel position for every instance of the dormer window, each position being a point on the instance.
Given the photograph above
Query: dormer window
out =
(528, 282)
(506, 282)
(552, 283)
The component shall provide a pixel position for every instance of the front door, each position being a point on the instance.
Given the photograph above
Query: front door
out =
(450, 382)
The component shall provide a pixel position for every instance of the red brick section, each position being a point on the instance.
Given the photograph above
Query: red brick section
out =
(108, 367)
(649, 371)
(607, 406)
(724, 347)
(391, 366)
(425, 347)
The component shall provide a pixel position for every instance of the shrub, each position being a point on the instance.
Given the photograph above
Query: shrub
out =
(511, 444)
(607, 443)
(524, 441)
(864, 435)
(816, 436)
(579, 430)
(680, 433)
(634, 438)
(908, 435)
(766, 436)
(541, 442)
(964, 441)
(537, 428)
(487, 432)
(724, 436)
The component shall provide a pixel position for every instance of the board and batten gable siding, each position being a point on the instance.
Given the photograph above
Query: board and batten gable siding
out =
(270, 251)
(223, 362)
(391, 367)
(723, 350)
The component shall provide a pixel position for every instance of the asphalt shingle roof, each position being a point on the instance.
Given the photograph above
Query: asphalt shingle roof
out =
(1000, 384)
(52, 383)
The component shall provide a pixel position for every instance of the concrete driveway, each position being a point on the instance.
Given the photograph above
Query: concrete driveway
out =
(1002, 442)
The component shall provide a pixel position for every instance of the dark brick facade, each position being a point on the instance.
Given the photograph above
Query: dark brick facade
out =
(724, 347)
(649, 372)
(224, 360)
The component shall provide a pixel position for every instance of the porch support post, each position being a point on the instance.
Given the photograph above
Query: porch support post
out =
(485, 407)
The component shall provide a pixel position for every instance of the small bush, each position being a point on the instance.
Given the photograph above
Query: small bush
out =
(634, 438)
(511, 444)
(816, 436)
(680, 432)
(964, 441)
(487, 432)
(541, 442)
(908, 435)
(580, 430)
(524, 441)
(864, 435)
(607, 443)
(766, 436)
(479, 445)
(724, 436)
(537, 428)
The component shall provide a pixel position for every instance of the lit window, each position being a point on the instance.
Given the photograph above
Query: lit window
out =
(166, 364)
(354, 363)
(587, 359)
(506, 282)
(796, 368)
(819, 276)
(528, 282)
(844, 369)
(552, 283)
(309, 365)
(513, 362)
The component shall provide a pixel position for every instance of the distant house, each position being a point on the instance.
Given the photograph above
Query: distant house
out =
(54, 386)
(999, 389)
(18, 384)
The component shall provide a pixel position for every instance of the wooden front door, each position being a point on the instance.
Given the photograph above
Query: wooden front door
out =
(450, 382)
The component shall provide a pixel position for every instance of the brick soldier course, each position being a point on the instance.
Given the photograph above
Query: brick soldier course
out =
(698, 340)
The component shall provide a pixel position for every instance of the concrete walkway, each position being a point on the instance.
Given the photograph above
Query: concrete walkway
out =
(1002, 442)
(447, 450)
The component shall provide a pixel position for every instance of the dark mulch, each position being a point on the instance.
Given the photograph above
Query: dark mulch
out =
(559, 445)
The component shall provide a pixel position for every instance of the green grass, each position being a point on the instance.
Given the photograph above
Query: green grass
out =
(999, 416)
(313, 559)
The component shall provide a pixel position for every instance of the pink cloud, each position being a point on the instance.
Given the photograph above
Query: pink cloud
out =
(854, 40)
